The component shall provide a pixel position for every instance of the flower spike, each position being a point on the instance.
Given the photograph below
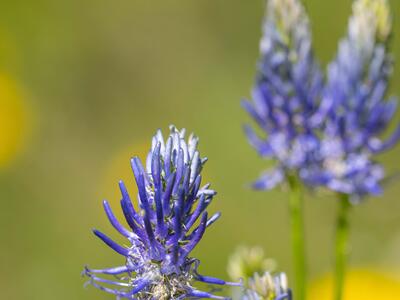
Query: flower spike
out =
(286, 93)
(355, 110)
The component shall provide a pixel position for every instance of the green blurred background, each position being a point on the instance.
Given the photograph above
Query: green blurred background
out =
(85, 84)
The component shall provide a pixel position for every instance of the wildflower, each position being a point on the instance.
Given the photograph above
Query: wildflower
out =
(286, 92)
(354, 110)
(168, 224)
(268, 287)
(246, 261)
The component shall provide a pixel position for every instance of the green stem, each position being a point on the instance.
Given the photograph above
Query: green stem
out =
(297, 236)
(341, 247)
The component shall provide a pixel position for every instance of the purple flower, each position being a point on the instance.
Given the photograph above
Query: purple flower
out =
(326, 132)
(286, 93)
(168, 224)
(354, 111)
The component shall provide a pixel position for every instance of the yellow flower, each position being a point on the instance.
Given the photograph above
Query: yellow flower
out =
(361, 284)
(13, 120)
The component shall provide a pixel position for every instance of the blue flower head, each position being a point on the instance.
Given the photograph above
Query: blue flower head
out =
(354, 110)
(286, 93)
(164, 229)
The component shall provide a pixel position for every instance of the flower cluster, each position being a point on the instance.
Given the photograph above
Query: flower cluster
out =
(354, 107)
(286, 93)
(168, 224)
(326, 132)
(323, 130)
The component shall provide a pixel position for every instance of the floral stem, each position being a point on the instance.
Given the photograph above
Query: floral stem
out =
(341, 247)
(297, 236)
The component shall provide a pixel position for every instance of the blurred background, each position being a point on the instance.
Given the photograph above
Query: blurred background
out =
(84, 85)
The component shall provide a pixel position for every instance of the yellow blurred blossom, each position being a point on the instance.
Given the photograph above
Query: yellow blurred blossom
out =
(13, 120)
(361, 284)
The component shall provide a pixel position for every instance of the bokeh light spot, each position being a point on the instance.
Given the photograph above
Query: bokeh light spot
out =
(13, 120)
(361, 284)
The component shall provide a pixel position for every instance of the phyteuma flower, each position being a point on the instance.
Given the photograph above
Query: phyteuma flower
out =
(168, 224)
(268, 287)
(354, 107)
(286, 92)
(246, 261)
